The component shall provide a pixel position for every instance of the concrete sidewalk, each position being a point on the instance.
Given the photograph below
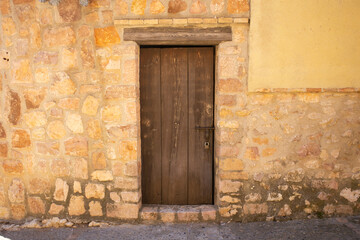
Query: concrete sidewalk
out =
(327, 229)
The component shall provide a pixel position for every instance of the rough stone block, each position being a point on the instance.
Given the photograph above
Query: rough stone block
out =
(16, 191)
(18, 211)
(79, 168)
(76, 146)
(36, 205)
(21, 71)
(94, 130)
(106, 36)
(188, 214)
(228, 186)
(57, 37)
(35, 119)
(93, 190)
(90, 106)
(61, 190)
(56, 209)
(102, 175)
(167, 214)
(149, 213)
(13, 166)
(122, 211)
(76, 205)
(252, 208)
(95, 208)
(208, 213)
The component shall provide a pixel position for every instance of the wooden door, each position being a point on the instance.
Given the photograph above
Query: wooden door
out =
(177, 99)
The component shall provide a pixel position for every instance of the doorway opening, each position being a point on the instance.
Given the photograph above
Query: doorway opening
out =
(177, 124)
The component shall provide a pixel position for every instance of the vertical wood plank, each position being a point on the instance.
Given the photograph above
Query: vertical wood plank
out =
(201, 110)
(150, 125)
(174, 125)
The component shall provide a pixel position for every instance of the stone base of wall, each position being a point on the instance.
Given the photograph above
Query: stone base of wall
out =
(174, 213)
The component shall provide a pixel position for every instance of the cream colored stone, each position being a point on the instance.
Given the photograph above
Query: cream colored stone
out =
(56, 130)
(21, 71)
(93, 190)
(274, 197)
(90, 106)
(130, 197)
(56, 209)
(62, 84)
(102, 175)
(217, 6)
(93, 128)
(227, 186)
(68, 58)
(229, 199)
(16, 191)
(38, 134)
(351, 196)
(76, 205)
(61, 190)
(77, 187)
(231, 164)
(121, 7)
(42, 75)
(285, 211)
(74, 123)
(128, 150)
(122, 211)
(79, 168)
(95, 208)
(115, 197)
(111, 113)
(253, 197)
(35, 119)
(4, 213)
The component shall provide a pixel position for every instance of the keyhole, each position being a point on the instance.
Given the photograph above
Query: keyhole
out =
(207, 145)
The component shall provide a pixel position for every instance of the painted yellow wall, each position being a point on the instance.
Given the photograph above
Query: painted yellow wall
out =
(304, 44)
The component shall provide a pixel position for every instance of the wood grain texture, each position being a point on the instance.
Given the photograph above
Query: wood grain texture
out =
(201, 110)
(174, 106)
(173, 36)
(150, 124)
(177, 95)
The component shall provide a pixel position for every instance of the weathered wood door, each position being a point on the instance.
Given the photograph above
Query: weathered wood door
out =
(177, 99)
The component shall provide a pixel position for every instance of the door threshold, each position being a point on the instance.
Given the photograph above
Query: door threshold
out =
(178, 213)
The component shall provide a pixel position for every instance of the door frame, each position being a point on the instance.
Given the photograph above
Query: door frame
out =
(214, 47)
(223, 35)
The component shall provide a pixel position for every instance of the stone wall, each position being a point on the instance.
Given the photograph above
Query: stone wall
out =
(70, 134)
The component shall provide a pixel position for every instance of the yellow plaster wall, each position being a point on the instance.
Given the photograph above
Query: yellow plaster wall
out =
(304, 44)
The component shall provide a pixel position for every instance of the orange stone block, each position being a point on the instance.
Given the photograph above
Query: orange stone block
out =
(5, 7)
(138, 7)
(3, 150)
(238, 6)
(36, 205)
(13, 166)
(198, 7)
(121, 7)
(106, 36)
(156, 7)
(76, 146)
(20, 139)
